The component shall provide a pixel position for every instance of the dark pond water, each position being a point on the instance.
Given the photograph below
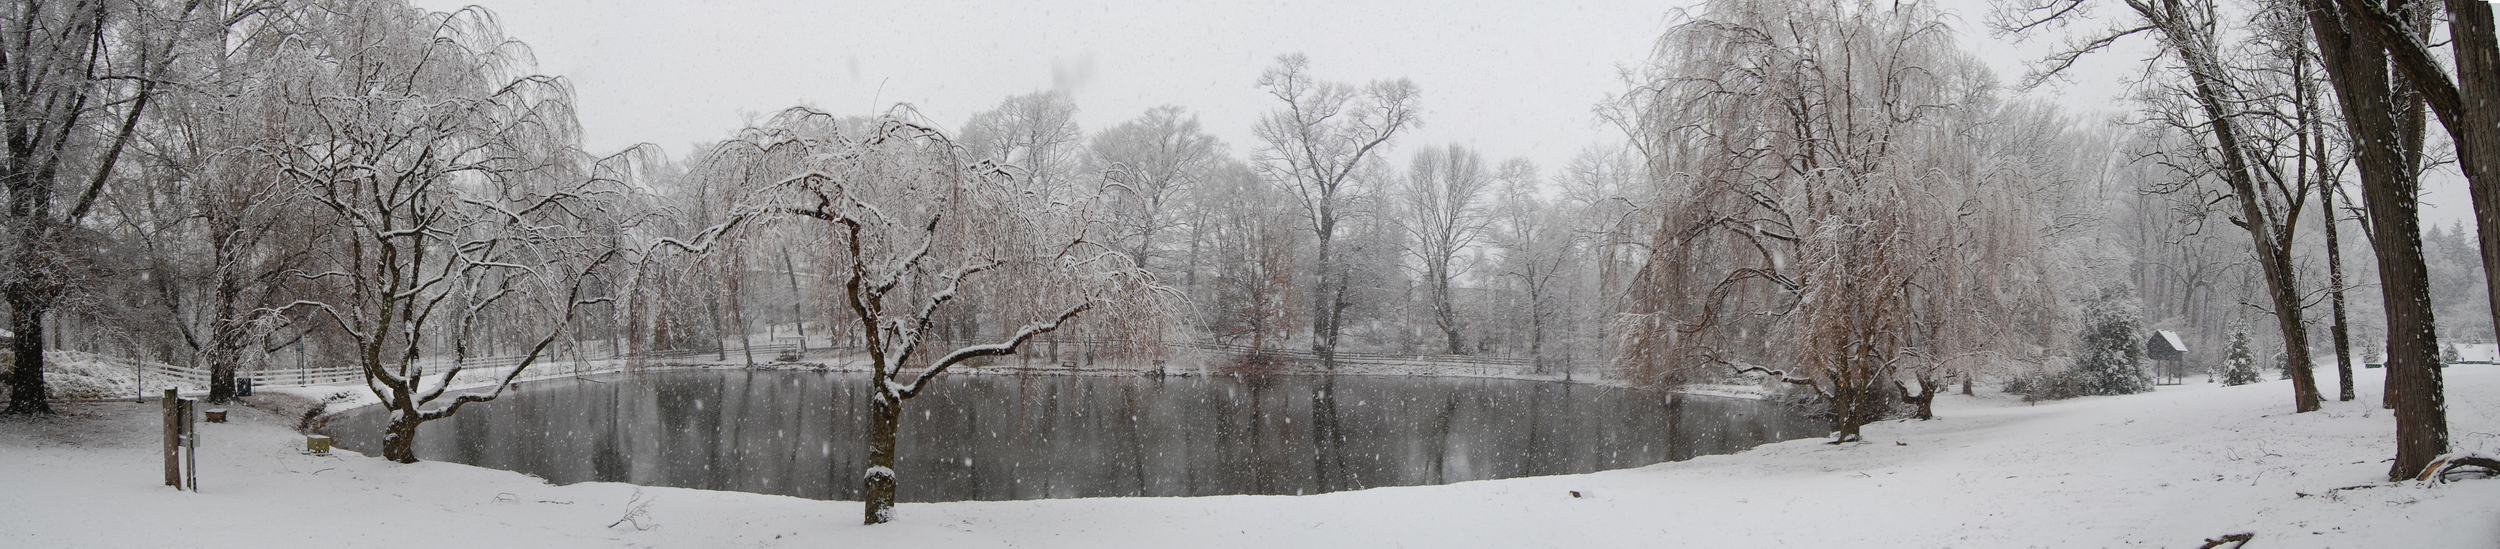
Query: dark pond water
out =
(1006, 437)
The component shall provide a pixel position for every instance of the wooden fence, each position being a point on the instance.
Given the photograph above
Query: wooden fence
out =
(547, 366)
(1481, 365)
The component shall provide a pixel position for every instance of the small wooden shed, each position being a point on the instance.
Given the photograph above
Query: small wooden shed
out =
(2165, 345)
(2169, 354)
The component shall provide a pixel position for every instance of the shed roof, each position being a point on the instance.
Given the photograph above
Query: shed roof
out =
(2173, 339)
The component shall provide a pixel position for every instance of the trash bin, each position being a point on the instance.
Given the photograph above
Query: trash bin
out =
(243, 387)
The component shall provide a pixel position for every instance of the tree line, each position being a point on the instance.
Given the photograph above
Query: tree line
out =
(1835, 194)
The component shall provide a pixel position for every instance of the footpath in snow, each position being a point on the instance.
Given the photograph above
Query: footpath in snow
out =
(2165, 469)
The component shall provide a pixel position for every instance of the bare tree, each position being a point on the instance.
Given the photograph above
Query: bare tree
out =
(1440, 213)
(920, 227)
(1251, 242)
(1314, 147)
(1035, 131)
(2464, 102)
(2269, 199)
(1537, 248)
(1149, 164)
(218, 220)
(2358, 66)
(68, 64)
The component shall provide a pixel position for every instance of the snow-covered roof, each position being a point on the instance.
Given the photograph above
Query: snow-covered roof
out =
(2172, 338)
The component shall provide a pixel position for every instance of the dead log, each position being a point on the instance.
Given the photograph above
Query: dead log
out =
(2237, 540)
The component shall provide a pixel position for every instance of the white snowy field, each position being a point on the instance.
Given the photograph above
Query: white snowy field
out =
(2165, 469)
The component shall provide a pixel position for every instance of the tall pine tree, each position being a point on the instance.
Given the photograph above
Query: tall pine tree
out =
(2240, 366)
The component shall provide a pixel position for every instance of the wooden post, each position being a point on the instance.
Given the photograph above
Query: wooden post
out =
(190, 444)
(173, 437)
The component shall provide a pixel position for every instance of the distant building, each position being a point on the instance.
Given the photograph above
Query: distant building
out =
(2169, 356)
(2165, 345)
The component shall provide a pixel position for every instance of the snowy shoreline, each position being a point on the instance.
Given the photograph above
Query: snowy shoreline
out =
(2168, 468)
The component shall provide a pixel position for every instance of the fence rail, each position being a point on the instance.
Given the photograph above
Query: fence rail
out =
(326, 375)
(1480, 364)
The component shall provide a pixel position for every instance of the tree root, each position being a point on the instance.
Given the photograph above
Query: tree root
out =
(2445, 469)
(2237, 540)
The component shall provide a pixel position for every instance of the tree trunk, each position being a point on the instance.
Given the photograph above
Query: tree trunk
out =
(1925, 399)
(2272, 237)
(1323, 300)
(738, 316)
(2335, 281)
(796, 317)
(720, 331)
(226, 339)
(399, 441)
(1328, 440)
(1446, 313)
(26, 386)
(885, 415)
(1536, 336)
(221, 366)
(2358, 66)
(1846, 423)
(2470, 25)
(2314, 141)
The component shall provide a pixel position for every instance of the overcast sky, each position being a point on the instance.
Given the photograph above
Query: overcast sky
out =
(1511, 79)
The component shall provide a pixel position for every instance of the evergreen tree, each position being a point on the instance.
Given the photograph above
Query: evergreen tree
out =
(2240, 366)
(2110, 356)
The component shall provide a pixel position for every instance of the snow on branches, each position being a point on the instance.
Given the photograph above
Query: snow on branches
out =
(918, 233)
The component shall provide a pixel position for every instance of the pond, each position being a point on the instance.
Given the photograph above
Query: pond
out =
(983, 437)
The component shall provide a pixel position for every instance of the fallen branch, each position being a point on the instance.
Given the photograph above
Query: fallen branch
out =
(2443, 468)
(2332, 492)
(636, 509)
(2238, 540)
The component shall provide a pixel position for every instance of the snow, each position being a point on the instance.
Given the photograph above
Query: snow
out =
(2163, 469)
(2477, 353)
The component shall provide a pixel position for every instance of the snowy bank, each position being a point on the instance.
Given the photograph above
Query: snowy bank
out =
(2166, 469)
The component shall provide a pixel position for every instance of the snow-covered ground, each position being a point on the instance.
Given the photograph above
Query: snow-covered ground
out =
(2166, 469)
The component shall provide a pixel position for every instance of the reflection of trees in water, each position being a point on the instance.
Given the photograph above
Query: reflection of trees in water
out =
(1019, 437)
(1327, 440)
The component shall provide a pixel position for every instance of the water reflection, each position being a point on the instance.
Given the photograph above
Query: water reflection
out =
(1006, 438)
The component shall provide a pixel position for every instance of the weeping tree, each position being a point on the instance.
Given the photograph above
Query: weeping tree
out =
(921, 230)
(454, 194)
(1825, 219)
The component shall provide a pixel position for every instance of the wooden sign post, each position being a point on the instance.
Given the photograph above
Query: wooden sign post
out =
(182, 443)
(173, 439)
